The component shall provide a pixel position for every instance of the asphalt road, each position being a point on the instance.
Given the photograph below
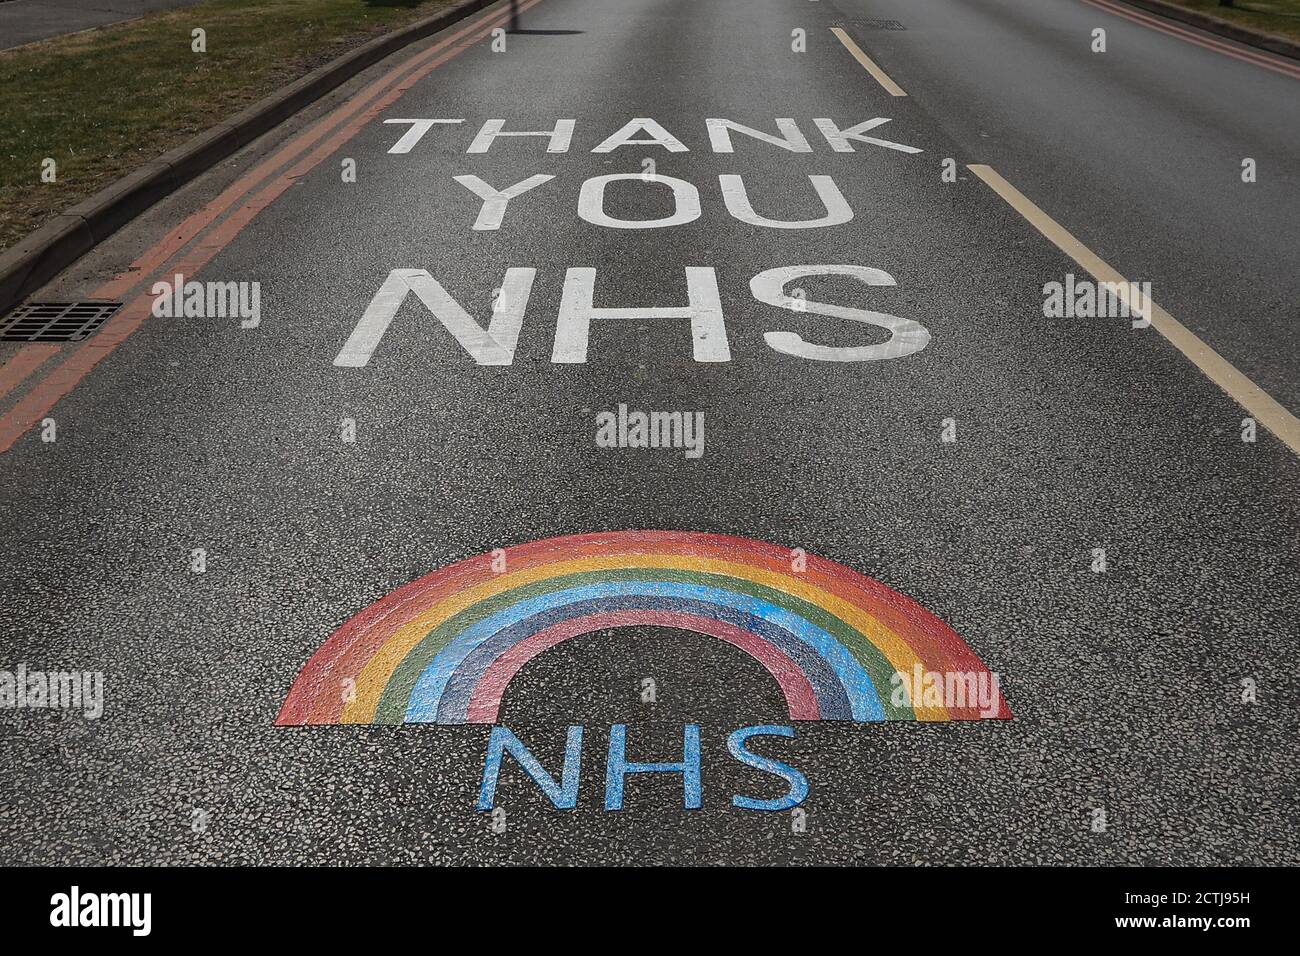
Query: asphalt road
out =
(1130, 741)
(27, 21)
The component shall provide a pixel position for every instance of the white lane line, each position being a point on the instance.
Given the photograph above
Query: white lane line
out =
(1262, 407)
(868, 64)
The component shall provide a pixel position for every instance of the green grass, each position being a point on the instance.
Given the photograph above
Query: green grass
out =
(104, 102)
(1272, 16)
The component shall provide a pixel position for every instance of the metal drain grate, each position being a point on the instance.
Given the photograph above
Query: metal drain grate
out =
(55, 321)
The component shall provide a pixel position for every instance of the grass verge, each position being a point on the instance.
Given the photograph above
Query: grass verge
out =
(1271, 16)
(102, 103)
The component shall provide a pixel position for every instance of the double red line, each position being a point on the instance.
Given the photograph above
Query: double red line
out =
(1257, 57)
(178, 252)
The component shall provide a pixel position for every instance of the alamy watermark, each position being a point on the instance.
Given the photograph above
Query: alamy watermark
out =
(179, 299)
(23, 689)
(637, 429)
(1084, 299)
(947, 689)
(75, 909)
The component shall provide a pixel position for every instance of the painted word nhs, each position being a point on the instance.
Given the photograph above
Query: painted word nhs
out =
(495, 345)
(564, 793)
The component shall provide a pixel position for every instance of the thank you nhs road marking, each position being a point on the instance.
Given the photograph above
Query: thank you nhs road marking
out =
(496, 206)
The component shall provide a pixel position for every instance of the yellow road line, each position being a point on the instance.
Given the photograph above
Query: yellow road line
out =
(1261, 406)
(868, 64)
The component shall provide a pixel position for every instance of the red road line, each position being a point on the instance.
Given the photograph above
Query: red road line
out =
(1218, 46)
(27, 360)
(59, 383)
(198, 221)
(158, 255)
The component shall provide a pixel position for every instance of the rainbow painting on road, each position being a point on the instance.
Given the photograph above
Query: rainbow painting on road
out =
(443, 649)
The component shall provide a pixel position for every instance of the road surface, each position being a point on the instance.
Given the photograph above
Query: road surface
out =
(1071, 496)
(27, 21)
